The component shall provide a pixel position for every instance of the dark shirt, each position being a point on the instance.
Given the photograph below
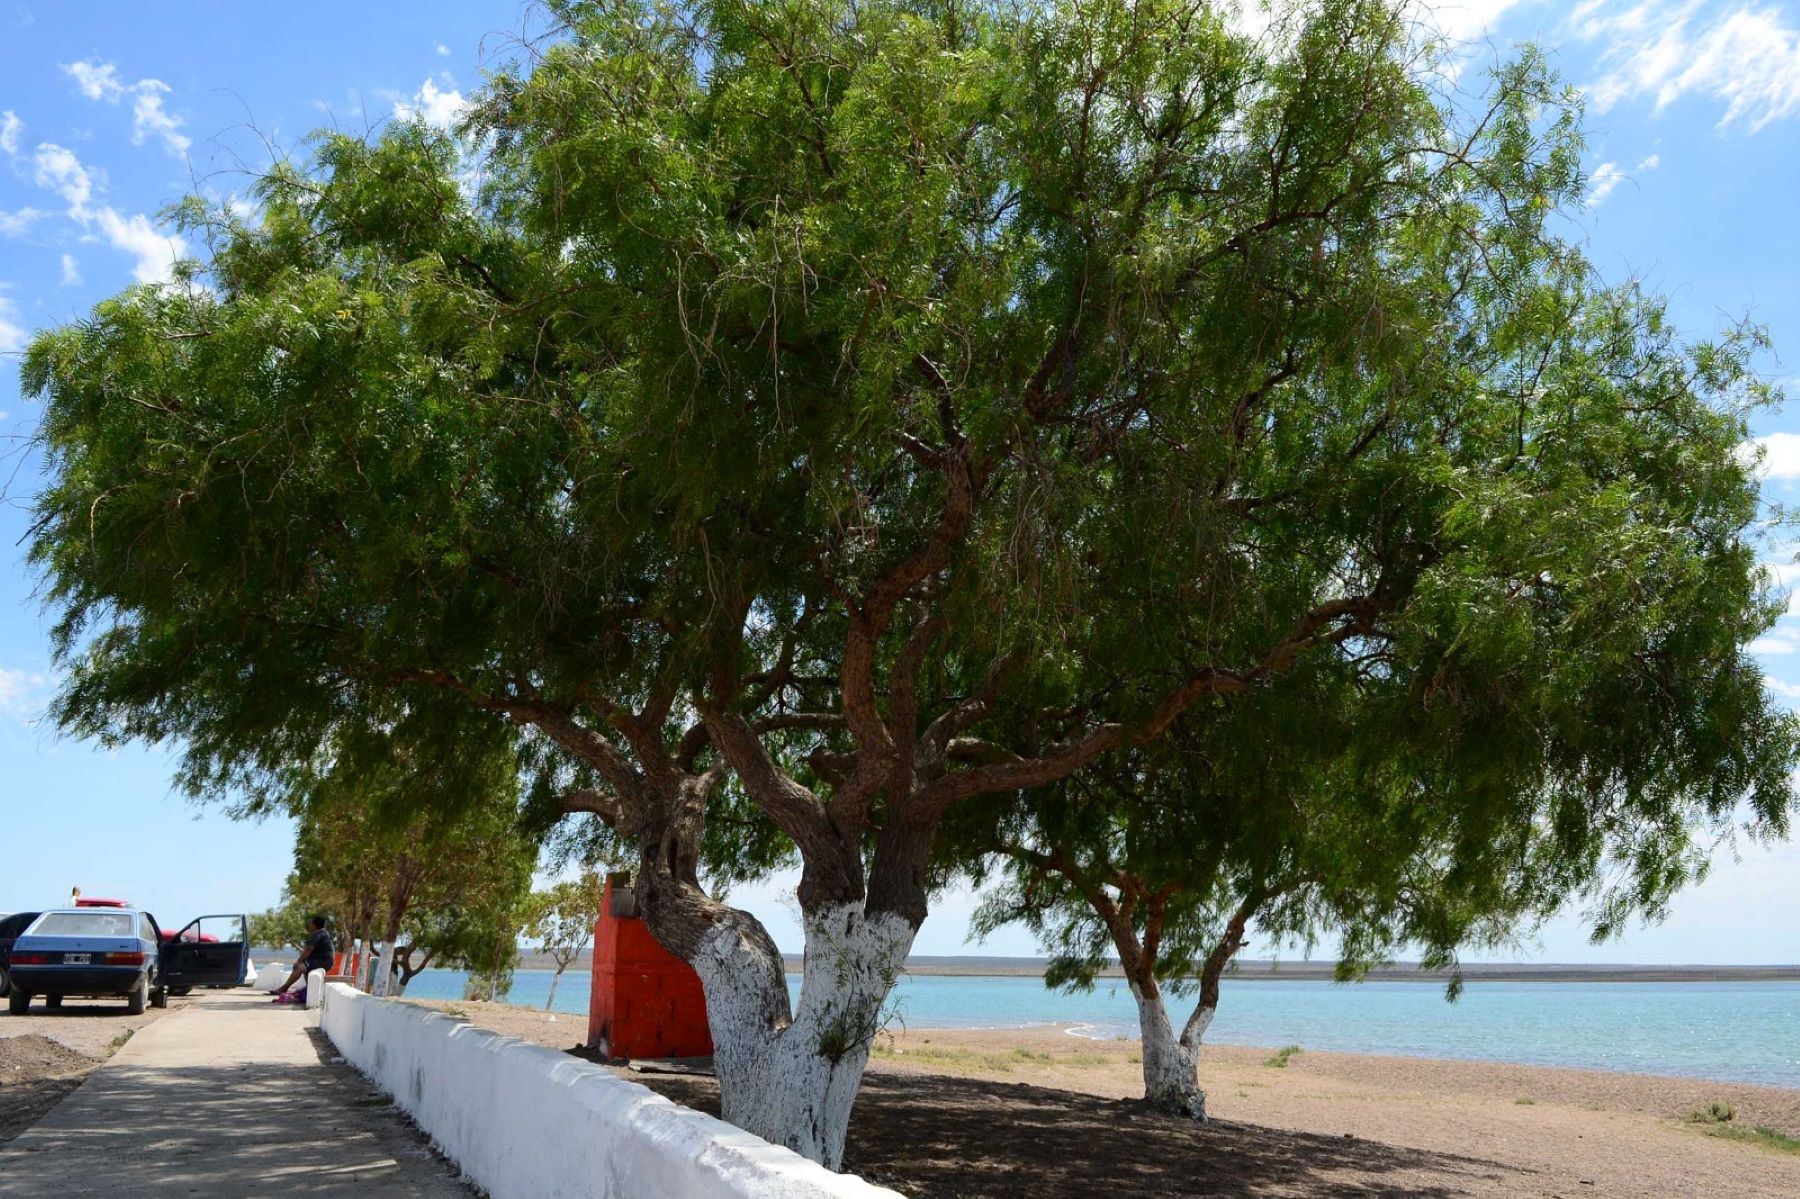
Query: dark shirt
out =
(318, 950)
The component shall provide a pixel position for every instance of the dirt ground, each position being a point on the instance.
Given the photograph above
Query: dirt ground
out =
(43, 1057)
(962, 1113)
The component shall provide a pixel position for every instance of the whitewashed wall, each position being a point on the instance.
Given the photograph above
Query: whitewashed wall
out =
(522, 1120)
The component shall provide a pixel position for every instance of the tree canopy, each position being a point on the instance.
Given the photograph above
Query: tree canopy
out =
(894, 404)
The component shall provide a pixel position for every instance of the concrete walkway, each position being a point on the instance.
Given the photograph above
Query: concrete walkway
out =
(230, 1096)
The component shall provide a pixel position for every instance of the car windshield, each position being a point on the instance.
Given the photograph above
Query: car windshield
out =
(83, 924)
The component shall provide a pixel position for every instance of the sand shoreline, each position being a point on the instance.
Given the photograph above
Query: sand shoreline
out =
(1446, 1126)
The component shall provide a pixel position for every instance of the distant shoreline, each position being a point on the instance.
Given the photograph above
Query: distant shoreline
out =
(1265, 970)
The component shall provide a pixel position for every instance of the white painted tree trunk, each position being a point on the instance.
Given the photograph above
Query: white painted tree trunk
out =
(1171, 1063)
(384, 975)
(795, 1085)
(554, 980)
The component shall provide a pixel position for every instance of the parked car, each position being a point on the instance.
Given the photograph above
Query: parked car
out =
(11, 925)
(109, 951)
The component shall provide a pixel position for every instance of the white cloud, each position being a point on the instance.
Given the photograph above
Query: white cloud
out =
(1787, 690)
(100, 81)
(21, 691)
(1608, 175)
(1465, 20)
(155, 251)
(71, 271)
(10, 129)
(60, 171)
(16, 222)
(1746, 58)
(1780, 455)
(12, 340)
(1773, 645)
(443, 50)
(431, 104)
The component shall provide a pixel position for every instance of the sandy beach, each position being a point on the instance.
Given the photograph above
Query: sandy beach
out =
(1000, 1112)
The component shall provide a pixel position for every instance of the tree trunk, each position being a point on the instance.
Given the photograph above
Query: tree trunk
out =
(1171, 1063)
(554, 980)
(384, 982)
(789, 1076)
(793, 1083)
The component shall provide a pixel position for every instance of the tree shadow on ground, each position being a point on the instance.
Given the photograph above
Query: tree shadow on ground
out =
(940, 1137)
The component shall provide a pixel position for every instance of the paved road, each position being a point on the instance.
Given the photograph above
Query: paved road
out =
(230, 1096)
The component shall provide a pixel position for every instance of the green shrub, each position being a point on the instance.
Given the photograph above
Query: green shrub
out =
(1279, 1059)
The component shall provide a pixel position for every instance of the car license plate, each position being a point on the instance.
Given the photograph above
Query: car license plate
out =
(77, 959)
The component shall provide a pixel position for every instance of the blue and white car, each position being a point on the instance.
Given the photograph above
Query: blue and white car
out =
(118, 951)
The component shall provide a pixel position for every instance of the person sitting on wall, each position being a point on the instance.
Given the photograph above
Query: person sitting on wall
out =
(317, 955)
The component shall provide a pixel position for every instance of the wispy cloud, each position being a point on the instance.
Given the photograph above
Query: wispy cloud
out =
(443, 50)
(1789, 690)
(71, 271)
(12, 340)
(1608, 175)
(1780, 455)
(11, 129)
(100, 81)
(1742, 56)
(22, 691)
(1465, 20)
(18, 221)
(434, 105)
(1773, 645)
(60, 170)
(156, 252)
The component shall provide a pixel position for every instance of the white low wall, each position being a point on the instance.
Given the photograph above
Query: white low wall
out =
(523, 1120)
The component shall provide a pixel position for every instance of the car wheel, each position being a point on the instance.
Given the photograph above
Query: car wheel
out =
(18, 1002)
(139, 999)
(159, 998)
(5, 982)
(53, 1002)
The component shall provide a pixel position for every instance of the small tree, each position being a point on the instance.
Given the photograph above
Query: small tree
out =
(563, 922)
(283, 927)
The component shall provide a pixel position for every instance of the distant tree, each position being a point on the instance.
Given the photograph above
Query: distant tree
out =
(563, 922)
(413, 856)
(891, 405)
(283, 927)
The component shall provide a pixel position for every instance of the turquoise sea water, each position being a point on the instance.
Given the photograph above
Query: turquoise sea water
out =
(1744, 1032)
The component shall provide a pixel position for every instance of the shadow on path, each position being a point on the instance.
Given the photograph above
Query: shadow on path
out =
(187, 1120)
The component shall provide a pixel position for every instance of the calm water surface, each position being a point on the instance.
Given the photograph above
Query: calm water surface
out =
(1747, 1032)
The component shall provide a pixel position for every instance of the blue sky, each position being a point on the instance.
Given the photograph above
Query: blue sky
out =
(110, 110)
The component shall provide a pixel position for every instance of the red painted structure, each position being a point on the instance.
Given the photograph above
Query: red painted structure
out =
(645, 1002)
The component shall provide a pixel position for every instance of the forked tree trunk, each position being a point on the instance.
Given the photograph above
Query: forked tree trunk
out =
(384, 981)
(788, 1074)
(1171, 1063)
(794, 1083)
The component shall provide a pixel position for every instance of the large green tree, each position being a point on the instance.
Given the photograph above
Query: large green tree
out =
(889, 403)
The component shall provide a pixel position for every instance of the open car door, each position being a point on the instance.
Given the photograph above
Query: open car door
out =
(212, 951)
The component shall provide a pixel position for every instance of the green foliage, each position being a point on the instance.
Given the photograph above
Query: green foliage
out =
(1761, 1135)
(952, 393)
(283, 927)
(1279, 1059)
(562, 920)
(1716, 1112)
